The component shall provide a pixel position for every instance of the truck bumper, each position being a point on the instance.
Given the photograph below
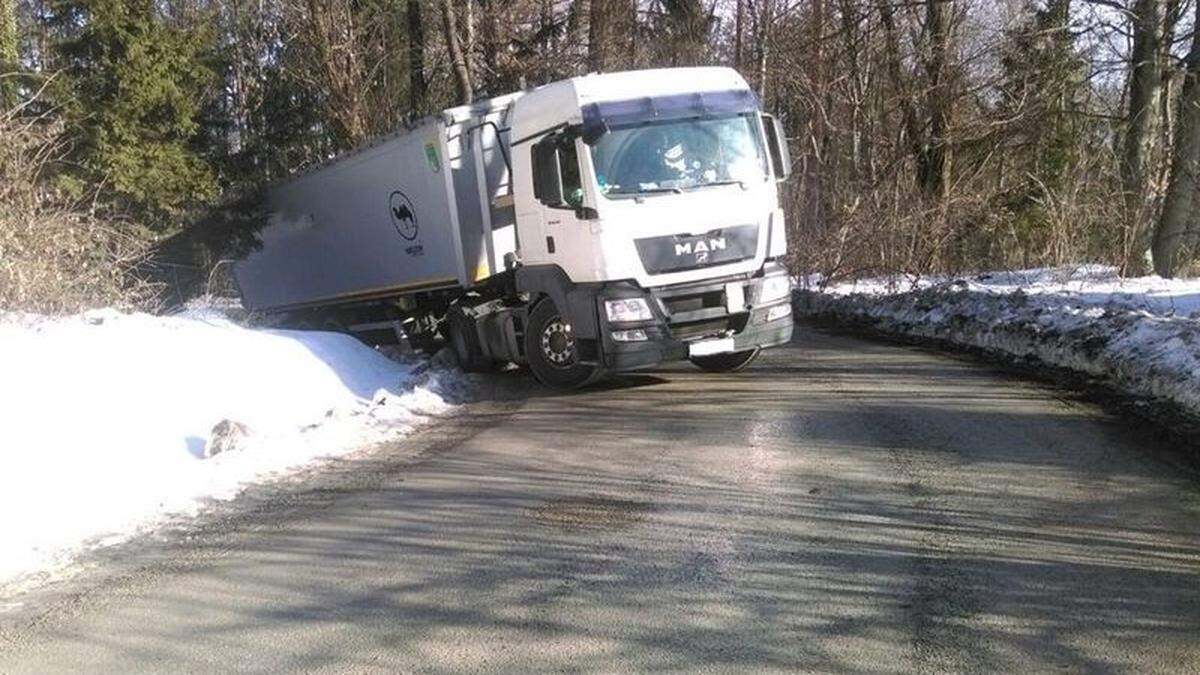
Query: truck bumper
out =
(689, 314)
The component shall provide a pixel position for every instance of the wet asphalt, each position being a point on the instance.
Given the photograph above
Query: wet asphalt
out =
(841, 506)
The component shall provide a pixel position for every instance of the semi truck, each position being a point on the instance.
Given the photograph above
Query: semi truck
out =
(603, 223)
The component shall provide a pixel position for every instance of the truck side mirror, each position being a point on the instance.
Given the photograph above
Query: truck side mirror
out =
(592, 133)
(547, 177)
(781, 159)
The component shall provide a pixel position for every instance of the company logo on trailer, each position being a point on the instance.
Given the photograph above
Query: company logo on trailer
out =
(700, 248)
(404, 217)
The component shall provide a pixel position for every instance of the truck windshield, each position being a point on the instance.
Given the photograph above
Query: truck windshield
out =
(679, 155)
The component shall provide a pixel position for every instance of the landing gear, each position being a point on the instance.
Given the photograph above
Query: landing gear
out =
(726, 363)
(552, 351)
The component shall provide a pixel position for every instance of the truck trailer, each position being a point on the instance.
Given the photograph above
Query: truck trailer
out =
(603, 223)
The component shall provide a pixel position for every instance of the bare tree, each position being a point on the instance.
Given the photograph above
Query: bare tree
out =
(598, 15)
(937, 165)
(1141, 136)
(1177, 231)
(458, 60)
(417, 83)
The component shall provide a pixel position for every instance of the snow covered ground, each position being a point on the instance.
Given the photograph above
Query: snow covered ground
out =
(1141, 335)
(113, 423)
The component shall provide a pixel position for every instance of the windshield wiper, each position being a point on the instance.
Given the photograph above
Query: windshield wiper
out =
(739, 183)
(645, 191)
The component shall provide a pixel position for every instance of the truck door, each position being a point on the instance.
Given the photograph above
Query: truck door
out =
(565, 213)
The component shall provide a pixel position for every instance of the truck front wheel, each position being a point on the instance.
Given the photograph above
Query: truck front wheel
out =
(552, 351)
(726, 363)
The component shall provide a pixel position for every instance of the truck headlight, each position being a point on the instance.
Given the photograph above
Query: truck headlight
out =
(774, 288)
(628, 309)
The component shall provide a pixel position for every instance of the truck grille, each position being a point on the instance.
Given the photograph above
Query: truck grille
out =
(691, 303)
(699, 329)
(694, 330)
(700, 311)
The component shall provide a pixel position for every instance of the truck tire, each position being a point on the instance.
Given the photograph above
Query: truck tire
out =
(726, 363)
(464, 340)
(551, 351)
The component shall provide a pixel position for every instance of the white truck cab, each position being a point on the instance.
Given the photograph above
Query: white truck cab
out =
(672, 152)
(602, 223)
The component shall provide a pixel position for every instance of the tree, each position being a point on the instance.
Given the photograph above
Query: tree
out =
(685, 27)
(9, 54)
(1037, 118)
(458, 59)
(137, 85)
(926, 112)
(1142, 127)
(417, 84)
(598, 38)
(1177, 232)
(936, 176)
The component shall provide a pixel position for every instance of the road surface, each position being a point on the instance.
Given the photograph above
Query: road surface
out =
(842, 506)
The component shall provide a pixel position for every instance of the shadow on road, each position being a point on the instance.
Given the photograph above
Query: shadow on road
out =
(842, 506)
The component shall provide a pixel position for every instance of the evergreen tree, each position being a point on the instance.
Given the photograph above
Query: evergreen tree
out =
(138, 85)
(1043, 76)
(9, 54)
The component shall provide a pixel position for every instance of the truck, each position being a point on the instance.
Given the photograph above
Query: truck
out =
(598, 224)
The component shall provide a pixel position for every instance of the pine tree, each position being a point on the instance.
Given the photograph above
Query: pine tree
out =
(138, 86)
(1043, 76)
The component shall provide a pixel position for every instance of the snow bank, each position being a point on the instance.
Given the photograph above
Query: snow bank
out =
(1140, 335)
(113, 422)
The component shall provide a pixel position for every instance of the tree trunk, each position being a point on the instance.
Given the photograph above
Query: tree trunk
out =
(917, 140)
(1141, 136)
(936, 179)
(850, 31)
(765, 19)
(462, 71)
(1177, 231)
(597, 35)
(9, 54)
(417, 84)
(577, 24)
(738, 20)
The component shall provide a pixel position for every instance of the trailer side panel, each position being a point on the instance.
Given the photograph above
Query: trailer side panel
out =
(377, 221)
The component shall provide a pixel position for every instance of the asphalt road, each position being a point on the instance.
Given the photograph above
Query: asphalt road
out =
(842, 506)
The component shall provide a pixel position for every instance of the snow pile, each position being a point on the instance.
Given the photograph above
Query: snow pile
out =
(1140, 335)
(113, 422)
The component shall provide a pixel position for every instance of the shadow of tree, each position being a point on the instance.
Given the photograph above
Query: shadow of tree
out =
(839, 507)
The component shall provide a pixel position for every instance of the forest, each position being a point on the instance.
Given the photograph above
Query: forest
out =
(927, 136)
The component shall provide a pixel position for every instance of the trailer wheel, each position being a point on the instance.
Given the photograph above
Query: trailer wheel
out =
(726, 363)
(551, 350)
(465, 342)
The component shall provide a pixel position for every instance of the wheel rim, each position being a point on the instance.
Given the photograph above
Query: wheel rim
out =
(558, 343)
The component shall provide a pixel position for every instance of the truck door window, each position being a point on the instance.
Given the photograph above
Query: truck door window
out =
(568, 162)
(556, 178)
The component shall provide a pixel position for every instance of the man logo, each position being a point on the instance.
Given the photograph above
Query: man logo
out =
(404, 218)
(701, 247)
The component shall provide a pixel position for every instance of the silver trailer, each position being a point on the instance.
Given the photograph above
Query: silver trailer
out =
(405, 215)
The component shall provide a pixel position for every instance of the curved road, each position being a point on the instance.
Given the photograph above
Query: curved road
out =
(842, 506)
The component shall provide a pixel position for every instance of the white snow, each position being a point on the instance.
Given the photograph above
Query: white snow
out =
(1141, 335)
(107, 417)
(1097, 285)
